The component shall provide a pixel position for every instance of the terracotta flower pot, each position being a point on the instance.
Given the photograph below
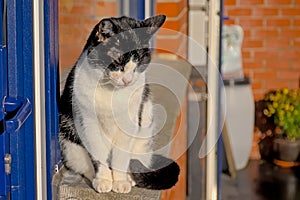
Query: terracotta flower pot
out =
(286, 152)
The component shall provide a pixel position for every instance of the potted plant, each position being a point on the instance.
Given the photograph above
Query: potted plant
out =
(283, 107)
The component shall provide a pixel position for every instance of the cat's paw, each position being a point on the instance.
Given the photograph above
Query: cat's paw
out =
(121, 186)
(102, 185)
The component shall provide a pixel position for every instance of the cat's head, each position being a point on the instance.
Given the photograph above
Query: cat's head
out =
(120, 46)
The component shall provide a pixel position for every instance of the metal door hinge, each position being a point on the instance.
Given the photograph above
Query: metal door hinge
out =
(7, 163)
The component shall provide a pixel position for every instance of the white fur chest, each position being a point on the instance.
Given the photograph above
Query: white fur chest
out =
(114, 108)
(119, 106)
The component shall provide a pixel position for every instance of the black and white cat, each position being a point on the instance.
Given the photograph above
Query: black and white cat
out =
(106, 125)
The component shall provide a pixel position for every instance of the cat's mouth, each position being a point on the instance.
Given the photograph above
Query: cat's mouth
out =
(122, 82)
(119, 79)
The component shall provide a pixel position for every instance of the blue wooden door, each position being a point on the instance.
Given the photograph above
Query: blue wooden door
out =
(4, 185)
(17, 135)
(17, 132)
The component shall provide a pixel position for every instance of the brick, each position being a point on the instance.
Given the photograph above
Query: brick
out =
(291, 33)
(256, 85)
(173, 8)
(261, 33)
(278, 64)
(75, 30)
(106, 9)
(73, 50)
(81, 9)
(290, 54)
(258, 95)
(251, 2)
(168, 45)
(288, 75)
(278, 22)
(67, 62)
(266, 54)
(252, 43)
(229, 22)
(239, 12)
(265, 12)
(89, 2)
(247, 33)
(278, 43)
(296, 22)
(89, 24)
(229, 2)
(291, 11)
(69, 19)
(296, 64)
(246, 54)
(175, 25)
(268, 74)
(278, 2)
(169, 32)
(273, 85)
(257, 64)
(297, 43)
(65, 5)
(248, 73)
(249, 22)
(66, 39)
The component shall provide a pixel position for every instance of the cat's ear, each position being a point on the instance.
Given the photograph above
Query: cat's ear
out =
(152, 24)
(106, 29)
(101, 32)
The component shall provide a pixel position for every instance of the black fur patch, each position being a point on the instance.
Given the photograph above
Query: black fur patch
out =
(145, 98)
(156, 178)
(68, 130)
(65, 102)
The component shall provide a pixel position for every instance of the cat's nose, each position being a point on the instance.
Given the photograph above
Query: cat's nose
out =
(126, 81)
(127, 78)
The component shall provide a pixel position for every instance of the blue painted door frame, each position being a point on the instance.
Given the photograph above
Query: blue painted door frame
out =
(52, 89)
(16, 95)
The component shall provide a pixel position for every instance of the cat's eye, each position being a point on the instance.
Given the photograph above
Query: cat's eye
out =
(114, 67)
(135, 57)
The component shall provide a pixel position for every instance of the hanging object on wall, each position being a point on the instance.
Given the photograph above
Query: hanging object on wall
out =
(232, 39)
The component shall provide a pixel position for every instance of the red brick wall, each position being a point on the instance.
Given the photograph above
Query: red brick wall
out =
(271, 47)
(76, 20)
(172, 38)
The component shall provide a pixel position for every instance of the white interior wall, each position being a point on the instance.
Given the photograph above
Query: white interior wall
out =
(197, 32)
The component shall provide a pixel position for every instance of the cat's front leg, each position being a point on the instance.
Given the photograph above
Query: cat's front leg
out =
(121, 183)
(103, 181)
(98, 147)
(120, 165)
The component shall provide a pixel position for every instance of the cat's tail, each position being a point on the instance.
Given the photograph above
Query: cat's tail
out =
(163, 174)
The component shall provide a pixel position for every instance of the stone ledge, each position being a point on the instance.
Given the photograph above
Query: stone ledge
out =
(84, 192)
